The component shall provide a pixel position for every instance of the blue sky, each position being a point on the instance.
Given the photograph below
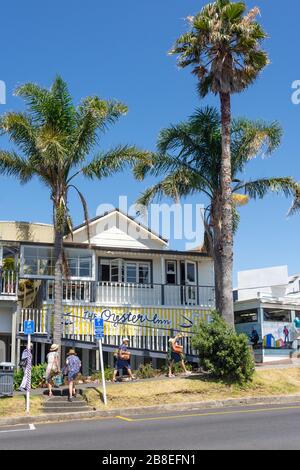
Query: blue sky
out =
(119, 50)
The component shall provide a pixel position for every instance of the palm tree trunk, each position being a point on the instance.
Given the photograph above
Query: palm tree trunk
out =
(216, 250)
(226, 204)
(58, 285)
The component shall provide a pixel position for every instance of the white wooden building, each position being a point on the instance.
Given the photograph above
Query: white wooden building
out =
(123, 272)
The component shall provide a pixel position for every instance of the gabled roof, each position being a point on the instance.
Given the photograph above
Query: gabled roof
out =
(130, 219)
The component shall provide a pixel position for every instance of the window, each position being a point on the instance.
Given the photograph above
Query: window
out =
(131, 273)
(118, 271)
(191, 273)
(171, 272)
(144, 273)
(277, 315)
(39, 261)
(80, 263)
(247, 316)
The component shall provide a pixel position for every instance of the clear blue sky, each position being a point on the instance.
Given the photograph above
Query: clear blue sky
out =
(119, 49)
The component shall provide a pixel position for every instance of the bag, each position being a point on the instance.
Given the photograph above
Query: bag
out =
(177, 348)
(124, 355)
(58, 380)
(23, 363)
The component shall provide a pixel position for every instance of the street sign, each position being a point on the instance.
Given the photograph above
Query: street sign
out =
(29, 327)
(99, 328)
(99, 335)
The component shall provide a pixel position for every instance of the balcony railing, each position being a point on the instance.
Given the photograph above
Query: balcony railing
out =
(8, 283)
(127, 294)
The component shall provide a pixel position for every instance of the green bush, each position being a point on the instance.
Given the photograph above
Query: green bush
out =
(146, 371)
(108, 374)
(222, 352)
(37, 376)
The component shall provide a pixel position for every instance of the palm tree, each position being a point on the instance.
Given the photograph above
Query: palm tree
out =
(55, 139)
(189, 158)
(223, 46)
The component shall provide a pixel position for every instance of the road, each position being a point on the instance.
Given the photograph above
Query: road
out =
(260, 427)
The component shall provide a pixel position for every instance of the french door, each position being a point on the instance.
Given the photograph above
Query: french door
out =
(189, 282)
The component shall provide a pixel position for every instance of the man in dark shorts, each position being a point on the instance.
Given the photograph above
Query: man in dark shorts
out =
(123, 360)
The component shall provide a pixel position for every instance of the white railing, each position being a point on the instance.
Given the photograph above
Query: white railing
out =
(40, 318)
(108, 293)
(73, 291)
(114, 293)
(198, 296)
(129, 294)
(8, 283)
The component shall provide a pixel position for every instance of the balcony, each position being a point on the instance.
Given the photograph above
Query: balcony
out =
(127, 294)
(8, 285)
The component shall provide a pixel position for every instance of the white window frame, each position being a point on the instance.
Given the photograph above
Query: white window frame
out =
(174, 262)
(123, 268)
(89, 254)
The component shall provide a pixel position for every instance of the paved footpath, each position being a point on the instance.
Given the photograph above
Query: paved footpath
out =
(252, 427)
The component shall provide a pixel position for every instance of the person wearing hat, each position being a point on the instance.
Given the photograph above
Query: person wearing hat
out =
(53, 366)
(123, 360)
(175, 355)
(71, 370)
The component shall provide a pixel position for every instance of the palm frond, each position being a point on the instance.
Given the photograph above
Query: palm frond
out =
(108, 163)
(12, 164)
(258, 189)
(85, 209)
(251, 139)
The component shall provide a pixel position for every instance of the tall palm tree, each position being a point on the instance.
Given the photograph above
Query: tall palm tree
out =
(189, 158)
(55, 139)
(223, 46)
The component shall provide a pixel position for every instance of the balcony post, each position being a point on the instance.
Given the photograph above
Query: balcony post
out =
(163, 280)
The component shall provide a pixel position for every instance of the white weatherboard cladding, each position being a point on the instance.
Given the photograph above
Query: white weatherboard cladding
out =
(5, 320)
(116, 230)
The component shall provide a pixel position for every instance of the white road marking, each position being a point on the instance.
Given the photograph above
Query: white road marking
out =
(31, 427)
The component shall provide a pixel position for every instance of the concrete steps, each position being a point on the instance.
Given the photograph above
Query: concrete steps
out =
(60, 404)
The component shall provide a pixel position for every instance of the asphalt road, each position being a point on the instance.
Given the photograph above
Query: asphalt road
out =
(264, 427)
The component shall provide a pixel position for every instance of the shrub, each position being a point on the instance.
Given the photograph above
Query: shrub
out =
(108, 374)
(37, 376)
(223, 352)
(146, 371)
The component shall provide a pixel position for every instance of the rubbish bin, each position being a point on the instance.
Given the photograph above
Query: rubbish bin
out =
(6, 379)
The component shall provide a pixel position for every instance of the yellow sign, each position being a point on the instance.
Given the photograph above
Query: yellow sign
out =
(126, 321)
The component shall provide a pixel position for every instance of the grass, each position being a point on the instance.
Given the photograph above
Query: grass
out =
(15, 406)
(195, 389)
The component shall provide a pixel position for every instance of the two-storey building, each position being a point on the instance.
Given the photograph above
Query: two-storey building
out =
(121, 271)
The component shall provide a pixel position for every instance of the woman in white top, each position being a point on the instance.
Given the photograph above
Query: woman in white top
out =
(53, 366)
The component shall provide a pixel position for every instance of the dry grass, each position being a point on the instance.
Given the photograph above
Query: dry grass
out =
(265, 383)
(10, 407)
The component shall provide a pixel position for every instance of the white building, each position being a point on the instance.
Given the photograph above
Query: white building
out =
(267, 301)
(123, 272)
